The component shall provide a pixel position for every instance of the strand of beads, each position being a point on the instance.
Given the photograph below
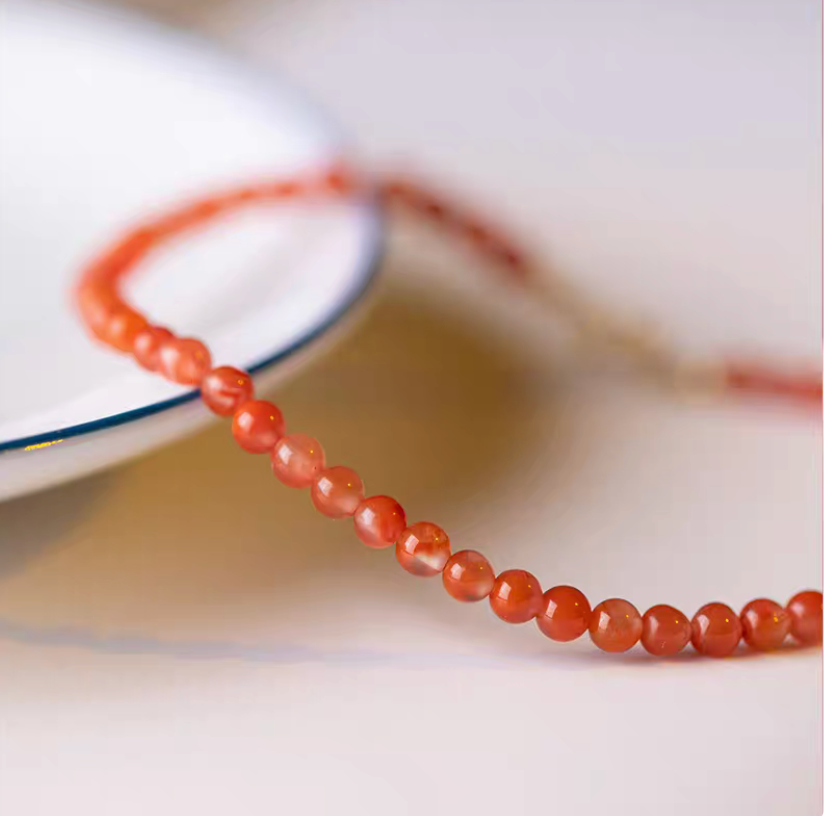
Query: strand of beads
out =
(562, 613)
(618, 337)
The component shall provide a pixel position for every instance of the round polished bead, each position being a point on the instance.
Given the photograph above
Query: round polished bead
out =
(765, 623)
(423, 549)
(716, 630)
(564, 613)
(257, 425)
(516, 596)
(122, 328)
(615, 625)
(147, 345)
(666, 630)
(468, 576)
(337, 492)
(225, 389)
(184, 360)
(297, 459)
(379, 521)
(96, 304)
(805, 611)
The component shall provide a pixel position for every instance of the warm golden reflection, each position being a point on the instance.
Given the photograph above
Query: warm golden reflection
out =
(42, 445)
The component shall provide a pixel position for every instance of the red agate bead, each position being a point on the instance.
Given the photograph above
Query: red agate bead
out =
(184, 360)
(297, 459)
(805, 611)
(765, 624)
(615, 625)
(225, 389)
(516, 596)
(564, 614)
(147, 345)
(666, 630)
(716, 630)
(337, 492)
(468, 576)
(423, 549)
(257, 425)
(379, 521)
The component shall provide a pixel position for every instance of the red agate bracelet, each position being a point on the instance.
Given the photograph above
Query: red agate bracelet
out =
(562, 613)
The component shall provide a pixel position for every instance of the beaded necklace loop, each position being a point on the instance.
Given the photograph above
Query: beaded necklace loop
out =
(562, 613)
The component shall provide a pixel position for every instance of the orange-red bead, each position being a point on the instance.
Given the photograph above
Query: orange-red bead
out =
(337, 492)
(765, 623)
(666, 630)
(122, 328)
(257, 425)
(516, 596)
(805, 611)
(468, 576)
(147, 345)
(564, 613)
(615, 625)
(423, 549)
(96, 303)
(379, 521)
(225, 389)
(297, 459)
(716, 630)
(184, 360)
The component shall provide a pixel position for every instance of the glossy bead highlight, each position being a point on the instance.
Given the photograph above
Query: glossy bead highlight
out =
(225, 389)
(423, 549)
(123, 326)
(564, 614)
(379, 521)
(666, 630)
(297, 459)
(337, 492)
(147, 345)
(257, 425)
(96, 304)
(615, 625)
(805, 612)
(184, 360)
(765, 624)
(516, 596)
(716, 630)
(468, 576)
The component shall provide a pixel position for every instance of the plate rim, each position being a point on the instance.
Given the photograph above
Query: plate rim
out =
(366, 275)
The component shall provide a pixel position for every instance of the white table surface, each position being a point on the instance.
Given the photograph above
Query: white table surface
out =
(184, 635)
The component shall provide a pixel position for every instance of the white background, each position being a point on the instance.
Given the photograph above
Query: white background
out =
(183, 635)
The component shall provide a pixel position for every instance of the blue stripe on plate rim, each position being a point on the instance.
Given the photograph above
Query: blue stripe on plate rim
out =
(366, 277)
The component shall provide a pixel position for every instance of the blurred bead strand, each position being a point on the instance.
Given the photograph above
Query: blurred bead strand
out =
(636, 342)
(562, 613)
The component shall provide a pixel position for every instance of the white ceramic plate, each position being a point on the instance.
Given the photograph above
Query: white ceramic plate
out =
(105, 118)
